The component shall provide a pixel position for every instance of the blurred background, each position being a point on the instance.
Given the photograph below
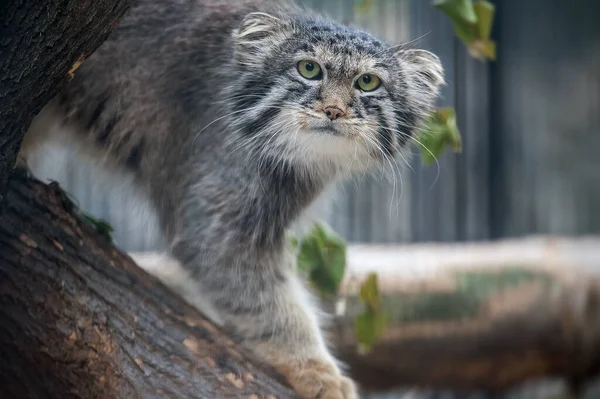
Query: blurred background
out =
(529, 120)
(530, 126)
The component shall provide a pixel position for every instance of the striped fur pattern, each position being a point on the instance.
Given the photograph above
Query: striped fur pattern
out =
(202, 103)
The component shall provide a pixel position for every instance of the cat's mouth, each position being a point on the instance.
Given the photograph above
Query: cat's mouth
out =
(319, 125)
(327, 128)
(322, 125)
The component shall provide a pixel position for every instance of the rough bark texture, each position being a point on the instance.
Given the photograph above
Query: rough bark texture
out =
(41, 44)
(81, 320)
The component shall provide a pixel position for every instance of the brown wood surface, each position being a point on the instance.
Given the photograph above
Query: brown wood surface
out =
(81, 320)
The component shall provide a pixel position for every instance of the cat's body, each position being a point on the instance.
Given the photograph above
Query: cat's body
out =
(211, 110)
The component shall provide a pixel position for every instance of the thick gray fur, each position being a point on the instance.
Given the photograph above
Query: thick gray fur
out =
(201, 101)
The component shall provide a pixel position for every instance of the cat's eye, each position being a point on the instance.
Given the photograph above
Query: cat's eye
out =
(309, 69)
(368, 82)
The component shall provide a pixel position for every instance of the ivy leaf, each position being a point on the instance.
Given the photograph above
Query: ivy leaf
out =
(369, 292)
(485, 18)
(322, 257)
(458, 10)
(472, 22)
(463, 17)
(482, 49)
(368, 327)
(438, 133)
(370, 324)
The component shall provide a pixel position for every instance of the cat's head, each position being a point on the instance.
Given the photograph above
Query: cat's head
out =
(313, 92)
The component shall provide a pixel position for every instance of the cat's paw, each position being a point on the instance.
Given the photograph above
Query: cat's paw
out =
(316, 379)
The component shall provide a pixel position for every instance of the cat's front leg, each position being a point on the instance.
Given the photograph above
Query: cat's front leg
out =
(259, 299)
(294, 345)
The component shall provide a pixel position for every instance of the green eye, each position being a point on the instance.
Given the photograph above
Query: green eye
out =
(309, 69)
(368, 82)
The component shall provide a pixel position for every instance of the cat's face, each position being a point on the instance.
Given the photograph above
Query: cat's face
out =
(317, 93)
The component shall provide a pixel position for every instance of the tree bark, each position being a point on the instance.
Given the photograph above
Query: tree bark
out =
(81, 320)
(41, 45)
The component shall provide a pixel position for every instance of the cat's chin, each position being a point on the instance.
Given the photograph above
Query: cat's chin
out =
(326, 130)
(326, 146)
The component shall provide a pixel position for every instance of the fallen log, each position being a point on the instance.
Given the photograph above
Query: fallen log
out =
(468, 317)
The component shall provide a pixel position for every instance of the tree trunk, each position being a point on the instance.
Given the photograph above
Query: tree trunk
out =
(41, 45)
(81, 320)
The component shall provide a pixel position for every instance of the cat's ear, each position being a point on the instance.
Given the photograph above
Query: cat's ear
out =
(424, 69)
(256, 34)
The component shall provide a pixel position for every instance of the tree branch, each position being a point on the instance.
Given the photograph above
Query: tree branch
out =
(81, 320)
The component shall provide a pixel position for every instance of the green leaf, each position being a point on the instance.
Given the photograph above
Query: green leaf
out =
(465, 32)
(438, 133)
(370, 324)
(322, 257)
(482, 49)
(472, 24)
(463, 17)
(368, 327)
(460, 11)
(369, 292)
(485, 18)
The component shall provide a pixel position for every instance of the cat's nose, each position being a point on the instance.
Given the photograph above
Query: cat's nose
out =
(333, 112)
